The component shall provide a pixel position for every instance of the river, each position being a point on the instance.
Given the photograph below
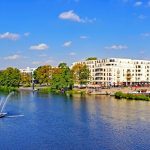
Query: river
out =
(53, 122)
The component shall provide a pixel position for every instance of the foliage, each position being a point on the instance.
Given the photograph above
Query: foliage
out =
(62, 78)
(92, 58)
(45, 90)
(43, 74)
(81, 73)
(10, 77)
(71, 92)
(120, 95)
(62, 65)
(26, 79)
(8, 89)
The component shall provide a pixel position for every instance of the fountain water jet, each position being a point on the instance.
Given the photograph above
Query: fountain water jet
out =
(3, 104)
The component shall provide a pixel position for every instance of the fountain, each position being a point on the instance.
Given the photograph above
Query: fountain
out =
(3, 104)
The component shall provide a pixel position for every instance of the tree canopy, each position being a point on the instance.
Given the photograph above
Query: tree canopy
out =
(81, 74)
(62, 65)
(92, 58)
(26, 79)
(43, 74)
(62, 78)
(10, 77)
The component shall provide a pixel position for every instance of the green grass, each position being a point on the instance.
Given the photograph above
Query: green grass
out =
(48, 90)
(45, 90)
(71, 92)
(8, 89)
(120, 95)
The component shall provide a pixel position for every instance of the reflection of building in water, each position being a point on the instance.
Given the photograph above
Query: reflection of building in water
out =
(118, 71)
(122, 112)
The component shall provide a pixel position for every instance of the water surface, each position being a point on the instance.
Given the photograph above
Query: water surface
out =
(74, 123)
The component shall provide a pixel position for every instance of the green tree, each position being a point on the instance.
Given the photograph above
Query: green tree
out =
(81, 74)
(10, 77)
(62, 65)
(43, 74)
(26, 79)
(62, 78)
(92, 58)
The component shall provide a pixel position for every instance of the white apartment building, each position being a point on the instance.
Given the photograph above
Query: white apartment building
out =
(28, 70)
(118, 71)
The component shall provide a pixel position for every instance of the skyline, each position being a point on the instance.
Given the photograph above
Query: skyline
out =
(35, 33)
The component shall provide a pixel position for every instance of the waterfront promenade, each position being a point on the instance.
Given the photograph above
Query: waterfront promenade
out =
(113, 90)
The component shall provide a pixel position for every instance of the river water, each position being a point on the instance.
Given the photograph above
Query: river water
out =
(53, 122)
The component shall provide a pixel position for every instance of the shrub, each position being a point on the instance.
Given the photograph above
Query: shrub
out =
(120, 95)
(8, 89)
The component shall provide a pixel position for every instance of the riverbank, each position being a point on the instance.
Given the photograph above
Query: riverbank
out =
(113, 90)
(120, 95)
(106, 91)
(8, 89)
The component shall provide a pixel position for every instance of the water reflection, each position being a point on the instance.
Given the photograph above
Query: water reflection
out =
(77, 122)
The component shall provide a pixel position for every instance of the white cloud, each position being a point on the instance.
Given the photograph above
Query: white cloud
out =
(27, 34)
(147, 34)
(67, 44)
(38, 63)
(87, 20)
(116, 47)
(39, 47)
(10, 36)
(72, 54)
(138, 3)
(49, 61)
(12, 57)
(83, 37)
(72, 16)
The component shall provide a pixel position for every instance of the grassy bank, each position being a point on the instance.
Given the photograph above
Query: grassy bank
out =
(8, 89)
(120, 95)
(69, 92)
(48, 90)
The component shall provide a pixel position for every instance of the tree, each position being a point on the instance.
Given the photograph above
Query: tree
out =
(43, 74)
(62, 78)
(26, 79)
(62, 65)
(92, 58)
(10, 77)
(81, 74)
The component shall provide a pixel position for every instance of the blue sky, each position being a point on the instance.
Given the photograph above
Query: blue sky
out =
(38, 32)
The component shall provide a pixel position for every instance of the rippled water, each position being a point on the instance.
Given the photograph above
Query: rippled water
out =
(41, 122)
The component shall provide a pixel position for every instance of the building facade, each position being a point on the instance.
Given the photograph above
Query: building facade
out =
(118, 71)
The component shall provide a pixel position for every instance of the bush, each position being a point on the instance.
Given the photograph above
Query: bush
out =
(45, 90)
(71, 92)
(120, 95)
(8, 89)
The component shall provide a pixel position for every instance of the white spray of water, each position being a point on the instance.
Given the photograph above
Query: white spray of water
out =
(15, 116)
(2, 99)
(3, 103)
